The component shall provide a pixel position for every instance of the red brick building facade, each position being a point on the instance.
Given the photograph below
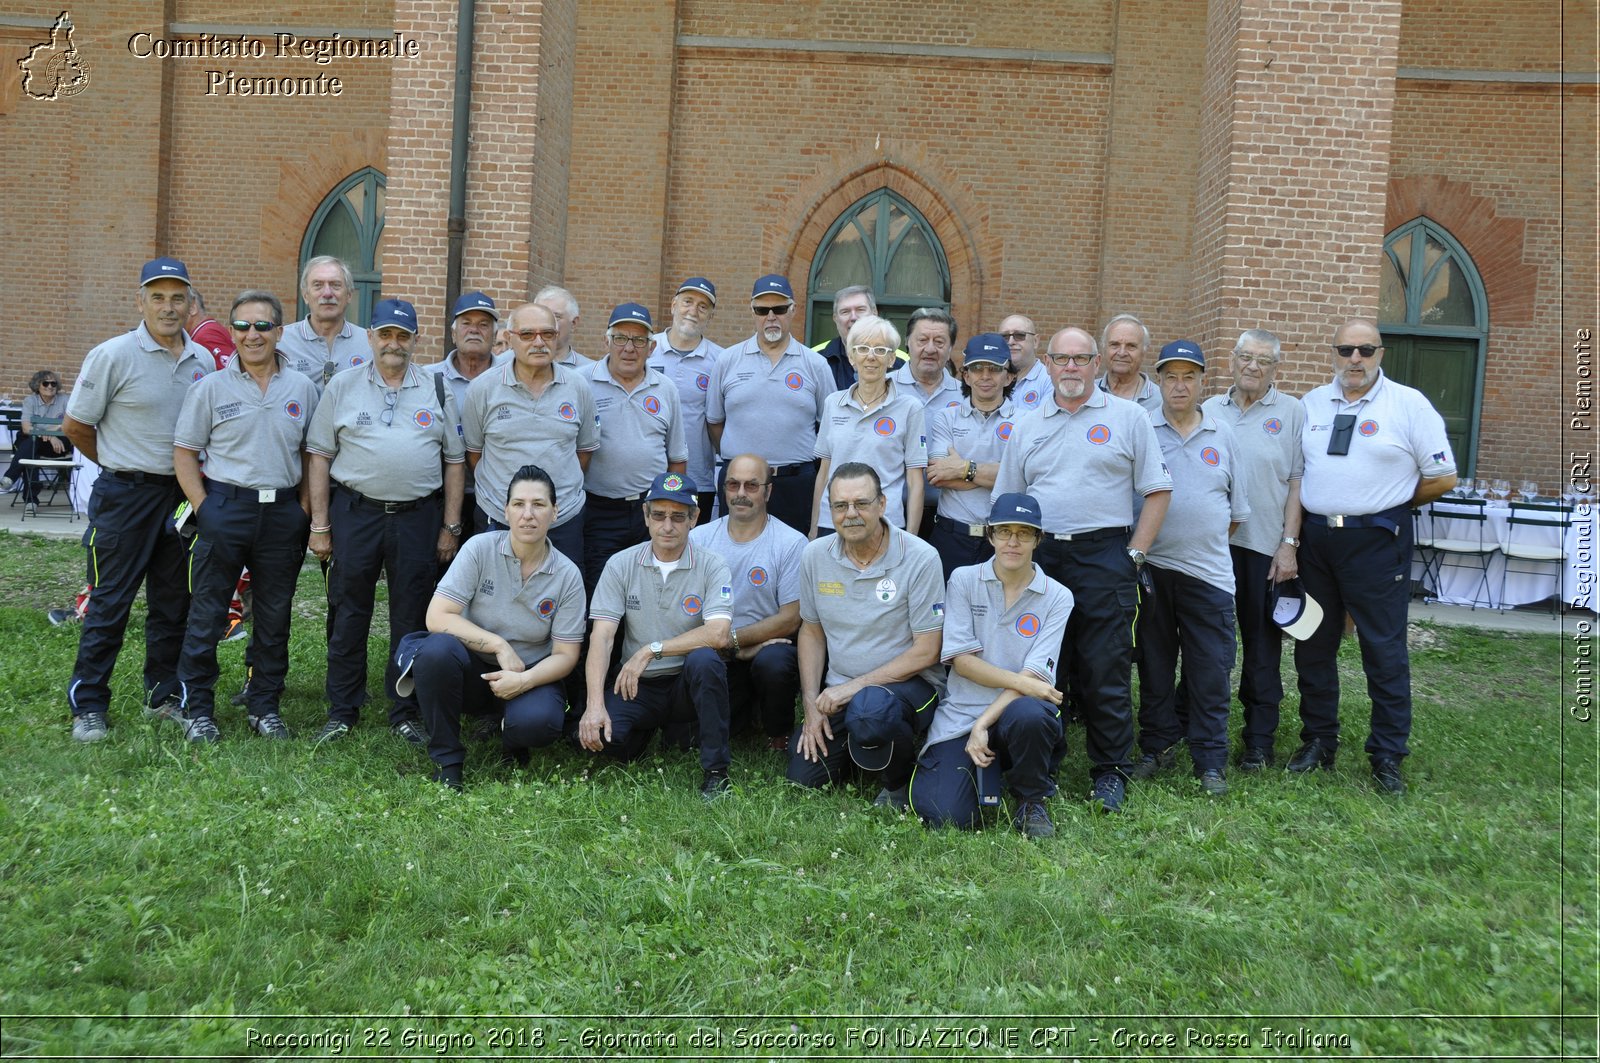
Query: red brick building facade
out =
(1211, 166)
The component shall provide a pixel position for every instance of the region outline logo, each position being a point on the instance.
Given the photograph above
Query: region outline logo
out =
(55, 69)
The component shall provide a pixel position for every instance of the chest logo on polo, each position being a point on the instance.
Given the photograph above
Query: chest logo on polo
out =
(794, 381)
(830, 588)
(294, 410)
(691, 605)
(884, 426)
(1003, 430)
(546, 607)
(198, 373)
(758, 577)
(1368, 428)
(651, 404)
(1210, 456)
(702, 381)
(357, 360)
(1272, 426)
(567, 412)
(886, 590)
(1027, 625)
(953, 404)
(486, 588)
(424, 418)
(1098, 434)
(1031, 399)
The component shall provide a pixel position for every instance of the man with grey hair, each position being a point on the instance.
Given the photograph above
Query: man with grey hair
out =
(850, 304)
(1123, 343)
(564, 306)
(1267, 425)
(325, 342)
(926, 376)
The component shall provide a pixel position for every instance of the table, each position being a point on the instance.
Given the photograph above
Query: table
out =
(1575, 581)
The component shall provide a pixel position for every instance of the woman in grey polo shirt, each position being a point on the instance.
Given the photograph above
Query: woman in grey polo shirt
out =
(504, 628)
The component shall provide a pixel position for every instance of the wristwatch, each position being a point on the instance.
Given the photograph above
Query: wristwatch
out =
(972, 471)
(453, 529)
(1289, 540)
(655, 651)
(1136, 556)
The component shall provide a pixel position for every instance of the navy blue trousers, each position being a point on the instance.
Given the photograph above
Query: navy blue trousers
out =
(764, 688)
(696, 697)
(1191, 619)
(944, 786)
(1261, 654)
(957, 549)
(609, 526)
(450, 684)
(913, 699)
(129, 543)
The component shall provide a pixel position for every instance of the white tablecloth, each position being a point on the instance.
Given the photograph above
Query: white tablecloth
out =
(1456, 580)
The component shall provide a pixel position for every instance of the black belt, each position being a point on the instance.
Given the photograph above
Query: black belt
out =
(141, 477)
(795, 470)
(1088, 536)
(389, 507)
(1389, 520)
(603, 502)
(972, 531)
(253, 494)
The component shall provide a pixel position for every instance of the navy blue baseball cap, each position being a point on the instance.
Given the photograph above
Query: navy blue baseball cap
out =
(701, 285)
(475, 301)
(163, 269)
(876, 724)
(773, 284)
(631, 312)
(987, 347)
(1016, 508)
(673, 487)
(1181, 351)
(396, 312)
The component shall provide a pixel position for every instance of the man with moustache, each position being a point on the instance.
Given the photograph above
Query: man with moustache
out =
(766, 396)
(1125, 341)
(1268, 427)
(964, 448)
(251, 508)
(1097, 450)
(1032, 375)
(685, 355)
(122, 415)
(763, 559)
(385, 471)
(473, 323)
(931, 359)
(325, 343)
(1373, 450)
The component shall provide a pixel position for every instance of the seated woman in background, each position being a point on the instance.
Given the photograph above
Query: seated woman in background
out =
(504, 629)
(40, 437)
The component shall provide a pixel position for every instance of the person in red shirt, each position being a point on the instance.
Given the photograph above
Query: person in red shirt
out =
(208, 332)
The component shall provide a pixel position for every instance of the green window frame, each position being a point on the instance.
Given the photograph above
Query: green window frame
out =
(884, 242)
(348, 224)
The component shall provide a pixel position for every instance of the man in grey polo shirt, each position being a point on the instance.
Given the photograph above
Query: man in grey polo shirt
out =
(325, 343)
(1125, 339)
(964, 447)
(121, 416)
(1097, 450)
(251, 509)
(1032, 375)
(531, 411)
(472, 327)
(766, 397)
(1188, 611)
(763, 557)
(685, 355)
(930, 342)
(1268, 426)
(871, 609)
(564, 308)
(641, 436)
(386, 485)
(674, 603)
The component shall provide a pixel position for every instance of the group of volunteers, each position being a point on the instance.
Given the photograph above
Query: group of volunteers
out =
(942, 552)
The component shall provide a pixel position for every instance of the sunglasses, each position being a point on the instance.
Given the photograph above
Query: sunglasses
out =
(776, 311)
(259, 326)
(1366, 350)
(49, 383)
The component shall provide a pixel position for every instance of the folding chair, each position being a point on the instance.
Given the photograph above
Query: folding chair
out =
(1462, 541)
(1536, 535)
(1427, 556)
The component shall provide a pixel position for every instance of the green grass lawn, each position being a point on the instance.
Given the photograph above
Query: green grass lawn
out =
(159, 889)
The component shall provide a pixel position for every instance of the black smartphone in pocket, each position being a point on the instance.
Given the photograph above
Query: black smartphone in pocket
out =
(1344, 426)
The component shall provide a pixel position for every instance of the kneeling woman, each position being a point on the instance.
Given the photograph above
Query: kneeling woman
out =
(504, 629)
(1003, 622)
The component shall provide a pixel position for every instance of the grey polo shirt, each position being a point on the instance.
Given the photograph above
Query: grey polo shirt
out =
(1023, 638)
(1149, 393)
(511, 428)
(450, 370)
(947, 396)
(386, 452)
(251, 439)
(129, 391)
(1268, 435)
(691, 372)
(1033, 387)
(872, 617)
(1208, 492)
(765, 571)
(640, 431)
(890, 439)
(486, 580)
(976, 436)
(766, 409)
(1084, 467)
(1398, 437)
(650, 609)
(308, 352)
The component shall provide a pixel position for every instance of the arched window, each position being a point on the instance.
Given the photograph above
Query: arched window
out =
(884, 242)
(1435, 321)
(347, 225)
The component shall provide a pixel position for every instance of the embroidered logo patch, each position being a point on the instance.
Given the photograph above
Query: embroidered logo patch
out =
(651, 404)
(1368, 428)
(547, 606)
(702, 381)
(1027, 625)
(673, 482)
(1031, 398)
(758, 577)
(294, 410)
(197, 375)
(1272, 426)
(567, 412)
(1210, 456)
(884, 426)
(1098, 434)
(691, 605)
(830, 588)
(424, 418)
(886, 590)
(1003, 430)
(794, 381)
(357, 360)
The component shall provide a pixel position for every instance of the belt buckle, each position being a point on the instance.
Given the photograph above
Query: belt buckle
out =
(392, 507)
(267, 496)
(1336, 520)
(975, 530)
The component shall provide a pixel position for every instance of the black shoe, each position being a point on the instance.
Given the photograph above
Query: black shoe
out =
(1255, 760)
(1152, 764)
(1109, 790)
(1212, 782)
(715, 785)
(1033, 820)
(332, 731)
(410, 730)
(1317, 753)
(1386, 776)
(450, 777)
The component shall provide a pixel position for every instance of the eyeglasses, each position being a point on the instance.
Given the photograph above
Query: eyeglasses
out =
(1263, 360)
(749, 487)
(861, 350)
(1079, 360)
(1014, 535)
(667, 517)
(860, 505)
(529, 335)
(1016, 337)
(776, 311)
(389, 399)
(1366, 350)
(259, 326)
(636, 343)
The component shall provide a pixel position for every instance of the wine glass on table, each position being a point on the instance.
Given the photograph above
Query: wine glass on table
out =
(1500, 489)
(1529, 490)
